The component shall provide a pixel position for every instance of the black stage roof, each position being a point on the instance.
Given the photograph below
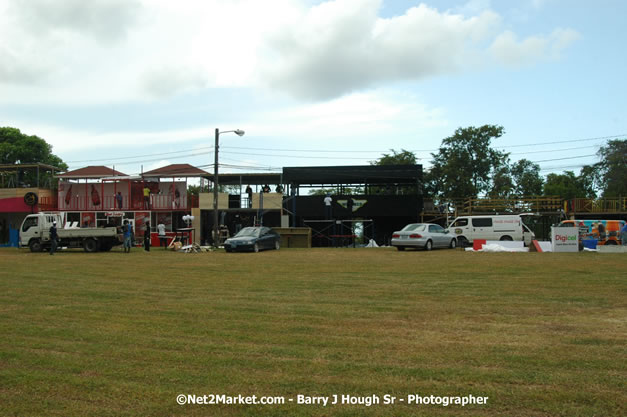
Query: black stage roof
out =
(245, 179)
(360, 174)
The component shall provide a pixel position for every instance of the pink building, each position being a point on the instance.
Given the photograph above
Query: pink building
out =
(95, 196)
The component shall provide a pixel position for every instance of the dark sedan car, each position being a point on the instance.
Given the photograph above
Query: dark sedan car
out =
(253, 239)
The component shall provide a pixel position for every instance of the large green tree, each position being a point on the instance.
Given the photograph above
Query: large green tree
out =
(465, 162)
(402, 157)
(611, 172)
(568, 185)
(17, 147)
(526, 178)
(502, 183)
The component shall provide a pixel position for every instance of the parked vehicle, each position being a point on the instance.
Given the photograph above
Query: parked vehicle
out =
(423, 235)
(506, 227)
(35, 233)
(253, 239)
(605, 232)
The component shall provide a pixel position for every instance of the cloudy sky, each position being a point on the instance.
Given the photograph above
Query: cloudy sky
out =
(143, 83)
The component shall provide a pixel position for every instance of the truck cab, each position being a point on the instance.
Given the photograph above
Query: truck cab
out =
(35, 230)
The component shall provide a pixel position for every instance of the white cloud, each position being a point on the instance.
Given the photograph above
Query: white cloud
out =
(104, 20)
(342, 46)
(355, 115)
(511, 52)
(77, 51)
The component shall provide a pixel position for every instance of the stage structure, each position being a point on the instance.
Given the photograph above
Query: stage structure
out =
(367, 202)
(97, 196)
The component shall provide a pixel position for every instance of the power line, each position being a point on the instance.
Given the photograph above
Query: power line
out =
(562, 141)
(554, 150)
(158, 159)
(561, 159)
(196, 153)
(292, 156)
(141, 156)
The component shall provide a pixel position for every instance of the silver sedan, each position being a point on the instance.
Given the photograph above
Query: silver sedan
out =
(423, 235)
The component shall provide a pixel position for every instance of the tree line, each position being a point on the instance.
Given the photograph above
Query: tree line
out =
(466, 165)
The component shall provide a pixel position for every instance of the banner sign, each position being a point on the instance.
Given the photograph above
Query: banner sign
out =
(565, 239)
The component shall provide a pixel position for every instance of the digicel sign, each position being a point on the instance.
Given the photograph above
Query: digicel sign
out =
(565, 239)
(562, 238)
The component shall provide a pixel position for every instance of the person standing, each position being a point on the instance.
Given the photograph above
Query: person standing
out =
(147, 237)
(128, 233)
(327, 207)
(249, 192)
(54, 238)
(349, 206)
(163, 239)
(623, 234)
(118, 198)
(146, 197)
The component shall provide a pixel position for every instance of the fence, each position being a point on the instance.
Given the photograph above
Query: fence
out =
(601, 205)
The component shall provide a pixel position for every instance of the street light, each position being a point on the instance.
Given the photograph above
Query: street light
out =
(216, 229)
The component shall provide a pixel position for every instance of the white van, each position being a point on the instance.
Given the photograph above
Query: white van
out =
(510, 227)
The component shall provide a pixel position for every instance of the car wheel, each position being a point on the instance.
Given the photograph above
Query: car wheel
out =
(610, 242)
(277, 245)
(429, 245)
(401, 248)
(256, 247)
(90, 245)
(35, 246)
(462, 242)
(453, 244)
(506, 238)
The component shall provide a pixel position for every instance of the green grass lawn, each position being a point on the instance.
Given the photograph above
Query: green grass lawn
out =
(112, 334)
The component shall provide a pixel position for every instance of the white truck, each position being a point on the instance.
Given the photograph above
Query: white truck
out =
(35, 233)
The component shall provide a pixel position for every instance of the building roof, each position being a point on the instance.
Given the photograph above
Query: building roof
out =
(176, 170)
(245, 179)
(92, 172)
(362, 174)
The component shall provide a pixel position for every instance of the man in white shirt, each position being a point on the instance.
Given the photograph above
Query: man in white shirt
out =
(163, 239)
(327, 207)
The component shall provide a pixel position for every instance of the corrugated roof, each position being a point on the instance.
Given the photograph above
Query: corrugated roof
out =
(92, 171)
(176, 170)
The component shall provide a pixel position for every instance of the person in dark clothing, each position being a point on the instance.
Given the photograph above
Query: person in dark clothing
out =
(249, 192)
(119, 199)
(349, 206)
(147, 237)
(54, 238)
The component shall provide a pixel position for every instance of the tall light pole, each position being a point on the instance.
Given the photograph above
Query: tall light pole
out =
(216, 228)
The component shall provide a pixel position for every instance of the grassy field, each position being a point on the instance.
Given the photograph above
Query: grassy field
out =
(111, 334)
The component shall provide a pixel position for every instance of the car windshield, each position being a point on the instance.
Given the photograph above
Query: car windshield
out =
(415, 227)
(248, 232)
